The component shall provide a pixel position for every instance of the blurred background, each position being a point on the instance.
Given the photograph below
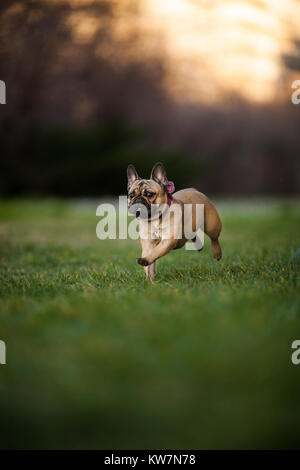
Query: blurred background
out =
(97, 357)
(202, 85)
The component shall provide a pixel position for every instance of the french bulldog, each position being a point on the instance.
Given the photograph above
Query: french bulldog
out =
(163, 216)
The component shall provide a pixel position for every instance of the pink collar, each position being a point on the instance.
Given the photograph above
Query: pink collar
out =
(170, 191)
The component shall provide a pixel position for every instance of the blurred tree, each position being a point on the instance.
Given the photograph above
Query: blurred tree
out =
(67, 66)
(86, 96)
(292, 61)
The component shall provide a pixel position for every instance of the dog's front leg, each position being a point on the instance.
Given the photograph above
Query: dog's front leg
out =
(147, 246)
(150, 272)
(160, 250)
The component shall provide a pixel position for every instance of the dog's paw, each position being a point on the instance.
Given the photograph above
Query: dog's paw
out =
(142, 261)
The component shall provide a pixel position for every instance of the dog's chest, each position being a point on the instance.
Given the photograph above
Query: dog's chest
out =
(151, 231)
(155, 230)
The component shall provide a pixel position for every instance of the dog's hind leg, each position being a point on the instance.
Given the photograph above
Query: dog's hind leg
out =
(216, 249)
(212, 228)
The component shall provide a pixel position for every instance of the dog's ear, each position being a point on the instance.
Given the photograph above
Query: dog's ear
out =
(158, 174)
(131, 175)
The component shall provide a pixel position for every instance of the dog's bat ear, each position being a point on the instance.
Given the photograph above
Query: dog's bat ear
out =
(131, 175)
(158, 173)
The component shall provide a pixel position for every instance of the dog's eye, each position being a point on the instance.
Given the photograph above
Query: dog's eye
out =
(131, 195)
(149, 194)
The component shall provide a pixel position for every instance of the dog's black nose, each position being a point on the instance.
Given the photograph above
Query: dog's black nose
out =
(138, 213)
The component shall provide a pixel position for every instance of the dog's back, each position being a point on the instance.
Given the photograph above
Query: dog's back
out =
(212, 221)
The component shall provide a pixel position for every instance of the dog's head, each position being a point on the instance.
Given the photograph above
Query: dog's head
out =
(143, 193)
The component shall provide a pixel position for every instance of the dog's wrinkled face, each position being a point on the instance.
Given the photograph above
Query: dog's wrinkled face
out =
(145, 196)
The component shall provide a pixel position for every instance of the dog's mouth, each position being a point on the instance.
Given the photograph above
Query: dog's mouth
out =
(140, 209)
(146, 211)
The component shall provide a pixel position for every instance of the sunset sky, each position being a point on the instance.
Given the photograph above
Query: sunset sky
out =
(211, 48)
(218, 46)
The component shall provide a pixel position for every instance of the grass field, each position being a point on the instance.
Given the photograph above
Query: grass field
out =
(98, 358)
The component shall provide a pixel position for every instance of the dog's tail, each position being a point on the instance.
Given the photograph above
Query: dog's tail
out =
(216, 249)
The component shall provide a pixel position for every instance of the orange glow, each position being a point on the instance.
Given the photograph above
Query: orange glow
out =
(213, 47)
(224, 46)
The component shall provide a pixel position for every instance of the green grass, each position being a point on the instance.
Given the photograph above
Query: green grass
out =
(98, 358)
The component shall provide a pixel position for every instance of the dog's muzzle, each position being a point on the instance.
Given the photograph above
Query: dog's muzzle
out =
(140, 208)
